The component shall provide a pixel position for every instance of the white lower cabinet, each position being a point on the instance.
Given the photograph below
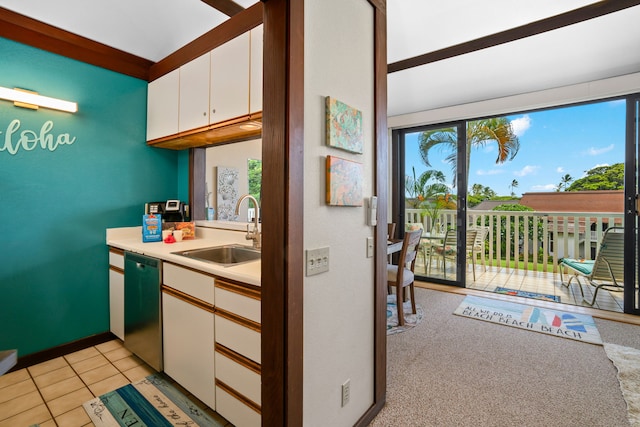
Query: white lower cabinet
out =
(116, 293)
(188, 336)
(238, 353)
(235, 411)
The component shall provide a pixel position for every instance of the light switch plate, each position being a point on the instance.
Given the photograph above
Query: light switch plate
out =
(317, 261)
(370, 247)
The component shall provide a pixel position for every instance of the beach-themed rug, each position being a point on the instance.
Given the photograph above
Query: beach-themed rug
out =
(580, 327)
(151, 402)
(526, 294)
(627, 361)
(410, 319)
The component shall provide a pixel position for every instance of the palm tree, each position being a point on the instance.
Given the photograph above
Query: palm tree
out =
(425, 187)
(514, 184)
(479, 133)
(564, 182)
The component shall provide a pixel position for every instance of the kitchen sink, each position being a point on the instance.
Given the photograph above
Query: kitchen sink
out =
(226, 255)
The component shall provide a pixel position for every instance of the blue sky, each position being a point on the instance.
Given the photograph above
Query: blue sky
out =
(553, 143)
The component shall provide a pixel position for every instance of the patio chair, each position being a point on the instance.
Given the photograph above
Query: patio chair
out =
(448, 250)
(606, 271)
(478, 244)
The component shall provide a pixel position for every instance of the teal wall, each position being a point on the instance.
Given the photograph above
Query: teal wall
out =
(56, 205)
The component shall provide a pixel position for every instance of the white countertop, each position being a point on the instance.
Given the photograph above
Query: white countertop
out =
(130, 239)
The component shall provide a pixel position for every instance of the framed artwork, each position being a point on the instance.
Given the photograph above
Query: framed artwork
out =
(344, 182)
(227, 193)
(344, 126)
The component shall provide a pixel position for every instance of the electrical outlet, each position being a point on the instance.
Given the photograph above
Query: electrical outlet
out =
(346, 392)
(369, 247)
(317, 261)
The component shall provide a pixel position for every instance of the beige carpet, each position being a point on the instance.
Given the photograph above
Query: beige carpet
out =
(454, 371)
(627, 361)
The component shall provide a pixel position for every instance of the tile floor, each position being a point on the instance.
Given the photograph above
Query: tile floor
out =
(52, 393)
(541, 282)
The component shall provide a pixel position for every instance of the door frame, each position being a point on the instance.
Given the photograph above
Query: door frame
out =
(631, 219)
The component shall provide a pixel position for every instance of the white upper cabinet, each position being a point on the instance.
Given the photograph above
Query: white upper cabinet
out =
(255, 82)
(220, 85)
(194, 93)
(229, 96)
(162, 105)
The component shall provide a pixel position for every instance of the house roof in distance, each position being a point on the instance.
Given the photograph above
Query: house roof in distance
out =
(575, 201)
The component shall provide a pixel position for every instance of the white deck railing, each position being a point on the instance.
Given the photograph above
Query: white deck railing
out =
(536, 239)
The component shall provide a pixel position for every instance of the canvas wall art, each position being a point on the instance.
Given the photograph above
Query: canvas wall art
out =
(344, 126)
(227, 193)
(344, 182)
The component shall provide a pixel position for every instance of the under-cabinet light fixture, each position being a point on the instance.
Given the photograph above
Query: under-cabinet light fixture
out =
(28, 99)
(251, 125)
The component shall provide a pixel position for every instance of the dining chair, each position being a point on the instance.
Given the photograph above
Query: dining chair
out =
(449, 249)
(401, 275)
(422, 249)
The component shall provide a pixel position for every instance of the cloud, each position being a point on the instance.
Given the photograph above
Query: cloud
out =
(597, 151)
(521, 124)
(527, 170)
(482, 172)
(544, 187)
(560, 169)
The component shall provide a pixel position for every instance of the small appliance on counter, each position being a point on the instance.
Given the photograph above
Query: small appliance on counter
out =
(171, 210)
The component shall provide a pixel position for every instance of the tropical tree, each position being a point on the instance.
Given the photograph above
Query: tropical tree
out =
(514, 184)
(564, 182)
(422, 189)
(479, 193)
(479, 134)
(254, 171)
(601, 178)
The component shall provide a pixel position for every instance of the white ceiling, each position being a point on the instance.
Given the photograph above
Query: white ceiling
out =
(599, 48)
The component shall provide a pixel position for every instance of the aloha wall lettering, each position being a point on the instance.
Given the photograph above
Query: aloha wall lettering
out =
(15, 139)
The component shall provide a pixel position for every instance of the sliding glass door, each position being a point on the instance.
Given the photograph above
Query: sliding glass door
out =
(632, 204)
(430, 179)
(535, 187)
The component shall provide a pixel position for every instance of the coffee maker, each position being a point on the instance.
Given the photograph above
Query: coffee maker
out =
(171, 210)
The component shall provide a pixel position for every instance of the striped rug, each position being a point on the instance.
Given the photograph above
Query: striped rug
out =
(149, 402)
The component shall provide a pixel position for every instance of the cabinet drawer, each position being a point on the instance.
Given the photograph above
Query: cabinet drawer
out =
(236, 411)
(198, 285)
(241, 300)
(238, 375)
(237, 336)
(116, 259)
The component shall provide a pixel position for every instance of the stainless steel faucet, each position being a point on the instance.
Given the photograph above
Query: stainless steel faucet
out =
(254, 235)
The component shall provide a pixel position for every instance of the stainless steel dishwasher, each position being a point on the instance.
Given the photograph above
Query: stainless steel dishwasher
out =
(142, 308)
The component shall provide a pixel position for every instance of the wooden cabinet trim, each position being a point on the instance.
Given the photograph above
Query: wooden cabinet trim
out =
(239, 320)
(188, 299)
(116, 269)
(248, 402)
(224, 132)
(239, 359)
(116, 251)
(243, 289)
